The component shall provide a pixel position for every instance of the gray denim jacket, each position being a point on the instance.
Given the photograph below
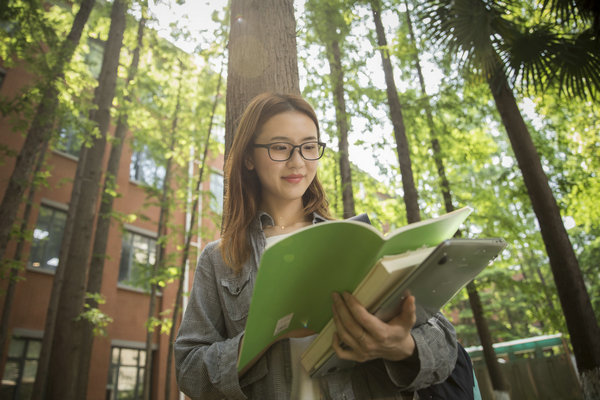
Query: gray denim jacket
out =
(207, 344)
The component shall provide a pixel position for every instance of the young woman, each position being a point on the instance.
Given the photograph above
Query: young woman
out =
(272, 190)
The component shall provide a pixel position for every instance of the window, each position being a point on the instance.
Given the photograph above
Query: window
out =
(20, 368)
(138, 255)
(47, 238)
(9, 27)
(94, 57)
(145, 169)
(126, 373)
(216, 191)
(2, 76)
(68, 141)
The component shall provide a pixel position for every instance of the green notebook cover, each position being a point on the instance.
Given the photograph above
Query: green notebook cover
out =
(297, 274)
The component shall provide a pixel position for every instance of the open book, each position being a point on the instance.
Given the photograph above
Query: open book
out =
(433, 275)
(297, 275)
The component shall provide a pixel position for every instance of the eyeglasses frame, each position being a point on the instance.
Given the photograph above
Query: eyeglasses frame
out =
(267, 146)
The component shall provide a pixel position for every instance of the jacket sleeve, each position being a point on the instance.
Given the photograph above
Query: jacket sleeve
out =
(205, 359)
(434, 357)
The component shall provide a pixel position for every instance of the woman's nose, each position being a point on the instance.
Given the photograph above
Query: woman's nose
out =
(296, 157)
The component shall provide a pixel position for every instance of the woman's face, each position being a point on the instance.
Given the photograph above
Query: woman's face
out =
(284, 181)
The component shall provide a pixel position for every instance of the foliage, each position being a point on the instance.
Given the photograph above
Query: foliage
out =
(517, 291)
(164, 323)
(97, 319)
(538, 51)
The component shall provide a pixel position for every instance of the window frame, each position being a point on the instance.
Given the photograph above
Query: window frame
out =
(112, 388)
(145, 234)
(95, 55)
(142, 155)
(55, 207)
(67, 130)
(215, 198)
(23, 358)
(3, 74)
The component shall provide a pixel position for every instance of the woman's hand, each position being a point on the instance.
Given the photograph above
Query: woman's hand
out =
(361, 336)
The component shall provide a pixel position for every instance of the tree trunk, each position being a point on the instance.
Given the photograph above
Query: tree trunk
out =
(188, 241)
(489, 355)
(491, 361)
(579, 314)
(337, 185)
(41, 375)
(527, 260)
(262, 55)
(402, 148)
(40, 129)
(94, 283)
(341, 120)
(16, 262)
(165, 205)
(530, 259)
(66, 346)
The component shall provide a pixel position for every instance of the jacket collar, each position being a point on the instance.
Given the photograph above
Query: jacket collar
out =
(264, 219)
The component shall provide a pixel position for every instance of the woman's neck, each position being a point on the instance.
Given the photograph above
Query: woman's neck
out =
(287, 218)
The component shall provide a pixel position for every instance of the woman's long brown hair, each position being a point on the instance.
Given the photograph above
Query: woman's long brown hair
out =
(243, 191)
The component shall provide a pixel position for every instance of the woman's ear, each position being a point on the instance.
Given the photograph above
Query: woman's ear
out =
(249, 163)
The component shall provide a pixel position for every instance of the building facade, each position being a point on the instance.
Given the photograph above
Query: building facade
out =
(118, 358)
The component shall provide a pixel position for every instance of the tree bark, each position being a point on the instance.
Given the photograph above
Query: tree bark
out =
(262, 55)
(402, 147)
(579, 314)
(41, 376)
(341, 121)
(165, 205)
(489, 355)
(18, 257)
(188, 241)
(94, 283)
(40, 129)
(66, 346)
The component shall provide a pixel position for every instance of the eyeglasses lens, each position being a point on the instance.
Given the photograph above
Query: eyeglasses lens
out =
(283, 151)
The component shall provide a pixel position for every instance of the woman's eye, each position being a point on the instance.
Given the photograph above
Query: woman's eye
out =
(279, 147)
(309, 146)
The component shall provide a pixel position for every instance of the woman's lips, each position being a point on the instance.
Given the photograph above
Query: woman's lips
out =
(293, 178)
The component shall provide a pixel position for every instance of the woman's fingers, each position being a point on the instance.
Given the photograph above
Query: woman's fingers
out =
(350, 332)
(408, 316)
(361, 336)
(367, 321)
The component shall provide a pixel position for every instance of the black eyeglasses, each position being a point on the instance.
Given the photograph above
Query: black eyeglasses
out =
(282, 151)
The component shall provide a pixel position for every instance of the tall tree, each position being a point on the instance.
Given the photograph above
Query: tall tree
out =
(262, 55)
(161, 244)
(477, 29)
(568, 10)
(40, 129)
(188, 238)
(402, 146)
(94, 281)
(66, 347)
(499, 383)
(16, 263)
(329, 24)
(38, 134)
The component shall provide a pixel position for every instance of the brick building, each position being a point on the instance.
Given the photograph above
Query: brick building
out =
(118, 358)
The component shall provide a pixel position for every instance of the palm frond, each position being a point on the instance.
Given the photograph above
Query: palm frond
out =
(571, 11)
(576, 63)
(468, 28)
(483, 36)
